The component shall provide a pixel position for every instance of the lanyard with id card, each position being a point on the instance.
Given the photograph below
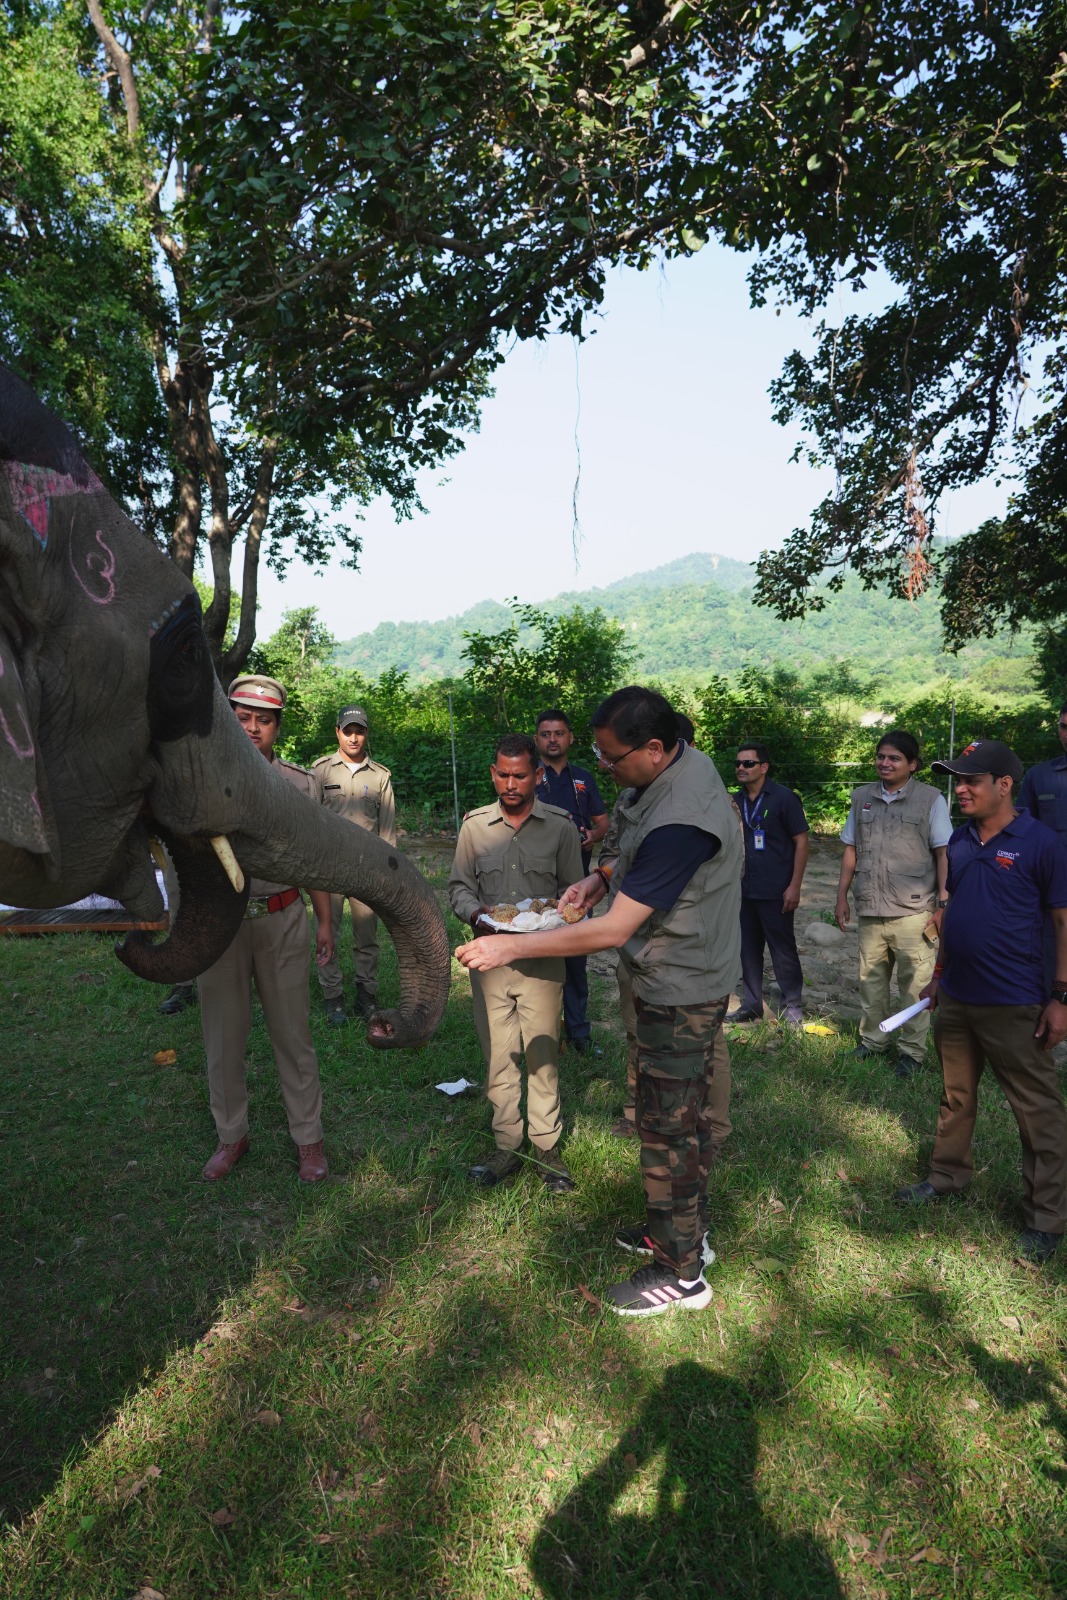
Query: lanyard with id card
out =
(758, 837)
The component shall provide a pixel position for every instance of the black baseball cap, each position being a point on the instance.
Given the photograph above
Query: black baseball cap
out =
(349, 714)
(983, 755)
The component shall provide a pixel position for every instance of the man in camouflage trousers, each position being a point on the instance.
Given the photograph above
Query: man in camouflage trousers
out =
(674, 914)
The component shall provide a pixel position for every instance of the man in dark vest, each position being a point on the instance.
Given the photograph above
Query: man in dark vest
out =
(673, 913)
(895, 862)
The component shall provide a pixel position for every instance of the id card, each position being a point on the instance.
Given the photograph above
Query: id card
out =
(757, 838)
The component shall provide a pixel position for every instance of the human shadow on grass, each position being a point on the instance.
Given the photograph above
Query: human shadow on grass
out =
(1012, 1384)
(707, 1534)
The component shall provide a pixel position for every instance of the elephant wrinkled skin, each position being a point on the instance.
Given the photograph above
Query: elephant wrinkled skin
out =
(114, 729)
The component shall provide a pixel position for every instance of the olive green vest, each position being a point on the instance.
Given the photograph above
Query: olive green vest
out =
(896, 875)
(690, 954)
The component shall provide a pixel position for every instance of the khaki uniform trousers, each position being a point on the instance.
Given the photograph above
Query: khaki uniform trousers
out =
(718, 1110)
(966, 1038)
(364, 949)
(275, 951)
(516, 1014)
(888, 943)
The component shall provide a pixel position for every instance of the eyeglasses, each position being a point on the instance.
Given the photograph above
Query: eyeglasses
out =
(746, 763)
(613, 763)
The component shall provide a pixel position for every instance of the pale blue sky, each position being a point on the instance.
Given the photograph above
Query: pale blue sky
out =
(678, 453)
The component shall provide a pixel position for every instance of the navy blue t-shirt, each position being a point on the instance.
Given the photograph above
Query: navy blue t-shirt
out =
(573, 790)
(778, 814)
(998, 894)
(666, 859)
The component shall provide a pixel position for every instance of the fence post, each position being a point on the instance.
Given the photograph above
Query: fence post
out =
(455, 780)
(951, 750)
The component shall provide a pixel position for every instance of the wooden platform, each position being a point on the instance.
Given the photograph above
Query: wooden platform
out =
(73, 919)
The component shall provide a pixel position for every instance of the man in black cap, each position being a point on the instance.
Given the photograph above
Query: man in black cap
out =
(361, 791)
(1005, 871)
(1044, 794)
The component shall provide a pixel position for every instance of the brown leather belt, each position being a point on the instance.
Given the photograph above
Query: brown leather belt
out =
(261, 905)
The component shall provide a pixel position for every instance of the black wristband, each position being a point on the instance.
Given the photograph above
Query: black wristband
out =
(602, 875)
(1059, 994)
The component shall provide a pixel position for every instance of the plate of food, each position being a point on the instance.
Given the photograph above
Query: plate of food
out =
(532, 916)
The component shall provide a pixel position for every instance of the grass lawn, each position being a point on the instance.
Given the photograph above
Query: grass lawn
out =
(392, 1385)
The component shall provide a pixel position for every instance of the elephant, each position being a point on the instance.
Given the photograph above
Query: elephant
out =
(115, 733)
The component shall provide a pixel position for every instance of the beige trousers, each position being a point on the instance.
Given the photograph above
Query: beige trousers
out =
(516, 1014)
(966, 1038)
(889, 944)
(364, 949)
(275, 952)
(721, 1082)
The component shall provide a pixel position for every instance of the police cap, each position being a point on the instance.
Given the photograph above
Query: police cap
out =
(264, 694)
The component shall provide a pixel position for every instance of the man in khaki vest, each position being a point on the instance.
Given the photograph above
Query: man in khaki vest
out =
(674, 914)
(896, 862)
(271, 950)
(361, 791)
(516, 849)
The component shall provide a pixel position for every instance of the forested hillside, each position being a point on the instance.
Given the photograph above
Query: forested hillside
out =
(695, 617)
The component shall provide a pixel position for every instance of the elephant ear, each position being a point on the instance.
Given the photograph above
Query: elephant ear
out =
(22, 823)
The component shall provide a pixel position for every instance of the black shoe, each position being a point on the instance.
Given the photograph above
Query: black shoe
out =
(1036, 1247)
(863, 1052)
(742, 1016)
(653, 1289)
(495, 1169)
(553, 1171)
(335, 1012)
(585, 1047)
(918, 1194)
(906, 1067)
(624, 1127)
(639, 1242)
(182, 995)
(366, 1002)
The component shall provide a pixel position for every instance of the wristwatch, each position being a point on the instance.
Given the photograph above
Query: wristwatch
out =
(941, 904)
(1059, 994)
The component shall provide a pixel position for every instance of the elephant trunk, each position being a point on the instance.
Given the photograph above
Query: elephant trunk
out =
(310, 846)
(209, 914)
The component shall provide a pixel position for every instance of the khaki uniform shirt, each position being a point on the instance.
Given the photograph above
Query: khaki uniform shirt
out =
(496, 864)
(363, 794)
(301, 779)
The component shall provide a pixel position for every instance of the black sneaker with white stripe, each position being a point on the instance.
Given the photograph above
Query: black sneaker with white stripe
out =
(653, 1289)
(638, 1240)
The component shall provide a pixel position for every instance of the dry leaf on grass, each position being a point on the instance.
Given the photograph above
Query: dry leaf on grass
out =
(165, 1058)
(326, 1478)
(147, 1593)
(51, 1372)
(475, 1435)
(933, 1555)
(589, 1298)
(223, 1517)
(322, 1538)
(129, 1488)
(629, 1461)
(770, 1264)
(269, 1419)
(1011, 1323)
(776, 1205)
(971, 1404)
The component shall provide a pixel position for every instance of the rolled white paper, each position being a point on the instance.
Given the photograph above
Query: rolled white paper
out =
(901, 1017)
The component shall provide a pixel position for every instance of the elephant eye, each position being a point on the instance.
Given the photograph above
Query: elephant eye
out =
(181, 681)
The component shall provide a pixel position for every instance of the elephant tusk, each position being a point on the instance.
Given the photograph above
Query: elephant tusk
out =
(230, 865)
(158, 854)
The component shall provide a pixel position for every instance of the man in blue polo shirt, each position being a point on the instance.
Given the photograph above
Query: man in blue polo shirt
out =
(1005, 871)
(574, 790)
(1044, 794)
(776, 854)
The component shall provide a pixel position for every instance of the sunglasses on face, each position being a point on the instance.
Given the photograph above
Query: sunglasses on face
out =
(746, 763)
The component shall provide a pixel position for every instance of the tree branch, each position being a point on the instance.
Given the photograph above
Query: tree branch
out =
(123, 66)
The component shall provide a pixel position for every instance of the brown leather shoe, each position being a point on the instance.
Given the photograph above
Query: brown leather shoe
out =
(313, 1164)
(225, 1159)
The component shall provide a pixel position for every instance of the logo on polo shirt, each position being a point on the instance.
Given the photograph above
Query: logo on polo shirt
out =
(1006, 859)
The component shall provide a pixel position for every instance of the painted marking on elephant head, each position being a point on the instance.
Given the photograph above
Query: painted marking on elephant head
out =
(25, 752)
(100, 568)
(34, 488)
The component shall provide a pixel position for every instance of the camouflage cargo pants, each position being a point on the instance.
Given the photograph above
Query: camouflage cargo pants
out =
(675, 1067)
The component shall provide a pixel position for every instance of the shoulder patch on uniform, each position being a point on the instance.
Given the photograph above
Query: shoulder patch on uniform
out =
(556, 811)
(321, 761)
(479, 811)
(294, 766)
